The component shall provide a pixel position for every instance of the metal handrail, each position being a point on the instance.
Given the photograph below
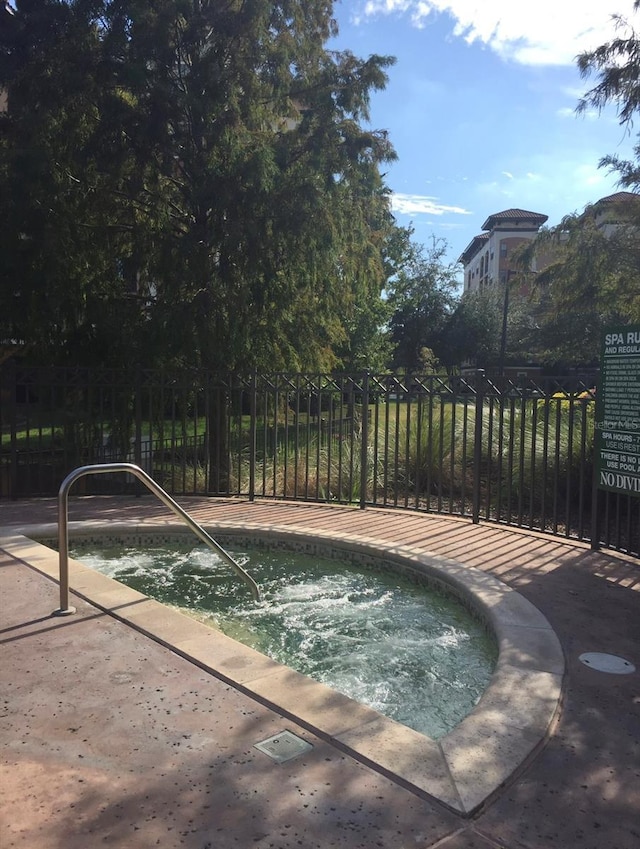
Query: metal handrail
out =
(131, 468)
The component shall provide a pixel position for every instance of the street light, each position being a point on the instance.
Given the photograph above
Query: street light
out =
(505, 312)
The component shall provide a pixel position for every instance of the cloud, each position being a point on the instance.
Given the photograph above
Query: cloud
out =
(570, 112)
(416, 9)
(590, 174)
(513, 184)
(554, 185)
(543, 33)
(573, 92)
(407, 204)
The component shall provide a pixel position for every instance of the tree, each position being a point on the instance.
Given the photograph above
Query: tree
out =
(590, 273)
(421, 297)
(473, 329)
(189, 181)
(56, 270)
(590, 278)
(616, 64)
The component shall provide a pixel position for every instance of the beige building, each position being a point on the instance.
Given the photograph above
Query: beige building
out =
(487, 259)
(614, 211)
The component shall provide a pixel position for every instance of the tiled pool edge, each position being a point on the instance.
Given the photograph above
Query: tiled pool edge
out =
(463, 769)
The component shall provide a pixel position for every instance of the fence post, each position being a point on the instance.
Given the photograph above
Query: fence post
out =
(11, 469)
(364, 448)
(253, 428)
(594, 532)
(13, 421)
(477, 445)
(595, 515)
(137, 442)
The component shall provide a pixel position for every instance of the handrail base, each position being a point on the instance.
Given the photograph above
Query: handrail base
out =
(63, 611)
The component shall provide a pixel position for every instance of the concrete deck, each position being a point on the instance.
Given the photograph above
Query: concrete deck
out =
(110, 736)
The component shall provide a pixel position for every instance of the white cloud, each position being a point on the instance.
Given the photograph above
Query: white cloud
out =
(513, 185)
(407, 204)
(417, 9)
(574, 92)
(554, 185)
(589, 174)
(546, 32)
(570, 112)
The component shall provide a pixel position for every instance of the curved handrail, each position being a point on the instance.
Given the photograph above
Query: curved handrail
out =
(131, 468)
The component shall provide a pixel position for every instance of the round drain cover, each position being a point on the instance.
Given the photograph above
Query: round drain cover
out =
(607, 663)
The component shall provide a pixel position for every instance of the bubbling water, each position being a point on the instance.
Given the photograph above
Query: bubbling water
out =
(411, 652)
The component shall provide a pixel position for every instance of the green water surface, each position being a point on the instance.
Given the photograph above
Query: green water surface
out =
(413, 653)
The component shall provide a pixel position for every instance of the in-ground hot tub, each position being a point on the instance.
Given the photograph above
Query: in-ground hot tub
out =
(463, 767)
(382, 636)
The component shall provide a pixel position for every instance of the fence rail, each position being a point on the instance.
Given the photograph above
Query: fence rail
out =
(517, 453)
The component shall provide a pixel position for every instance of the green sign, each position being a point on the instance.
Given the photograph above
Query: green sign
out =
(618, 412)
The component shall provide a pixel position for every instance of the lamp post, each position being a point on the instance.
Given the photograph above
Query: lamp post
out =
(505, 312)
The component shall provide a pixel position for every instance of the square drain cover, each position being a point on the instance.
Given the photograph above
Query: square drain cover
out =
(284, 746)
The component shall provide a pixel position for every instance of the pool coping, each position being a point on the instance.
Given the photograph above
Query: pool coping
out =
(462, 770)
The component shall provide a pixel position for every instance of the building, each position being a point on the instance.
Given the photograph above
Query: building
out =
(488, 257)
(615, 211)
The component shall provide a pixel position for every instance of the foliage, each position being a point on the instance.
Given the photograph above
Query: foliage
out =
(616, 65)
(424, 452)
(591, 279)
(590, 273)
(549, 442)
(190, 182)
(473, 329)
(421, 296)
(437, 459)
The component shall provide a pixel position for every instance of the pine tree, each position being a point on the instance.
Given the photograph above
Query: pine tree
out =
(616, 65)
(190, 181)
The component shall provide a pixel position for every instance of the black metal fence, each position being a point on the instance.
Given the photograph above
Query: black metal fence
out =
(518, 453)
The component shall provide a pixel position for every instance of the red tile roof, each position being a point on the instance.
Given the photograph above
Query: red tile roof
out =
(619, 197)
(536, 218)
(473, 247)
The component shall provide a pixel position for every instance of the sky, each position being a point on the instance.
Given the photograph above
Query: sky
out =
(480, 107)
